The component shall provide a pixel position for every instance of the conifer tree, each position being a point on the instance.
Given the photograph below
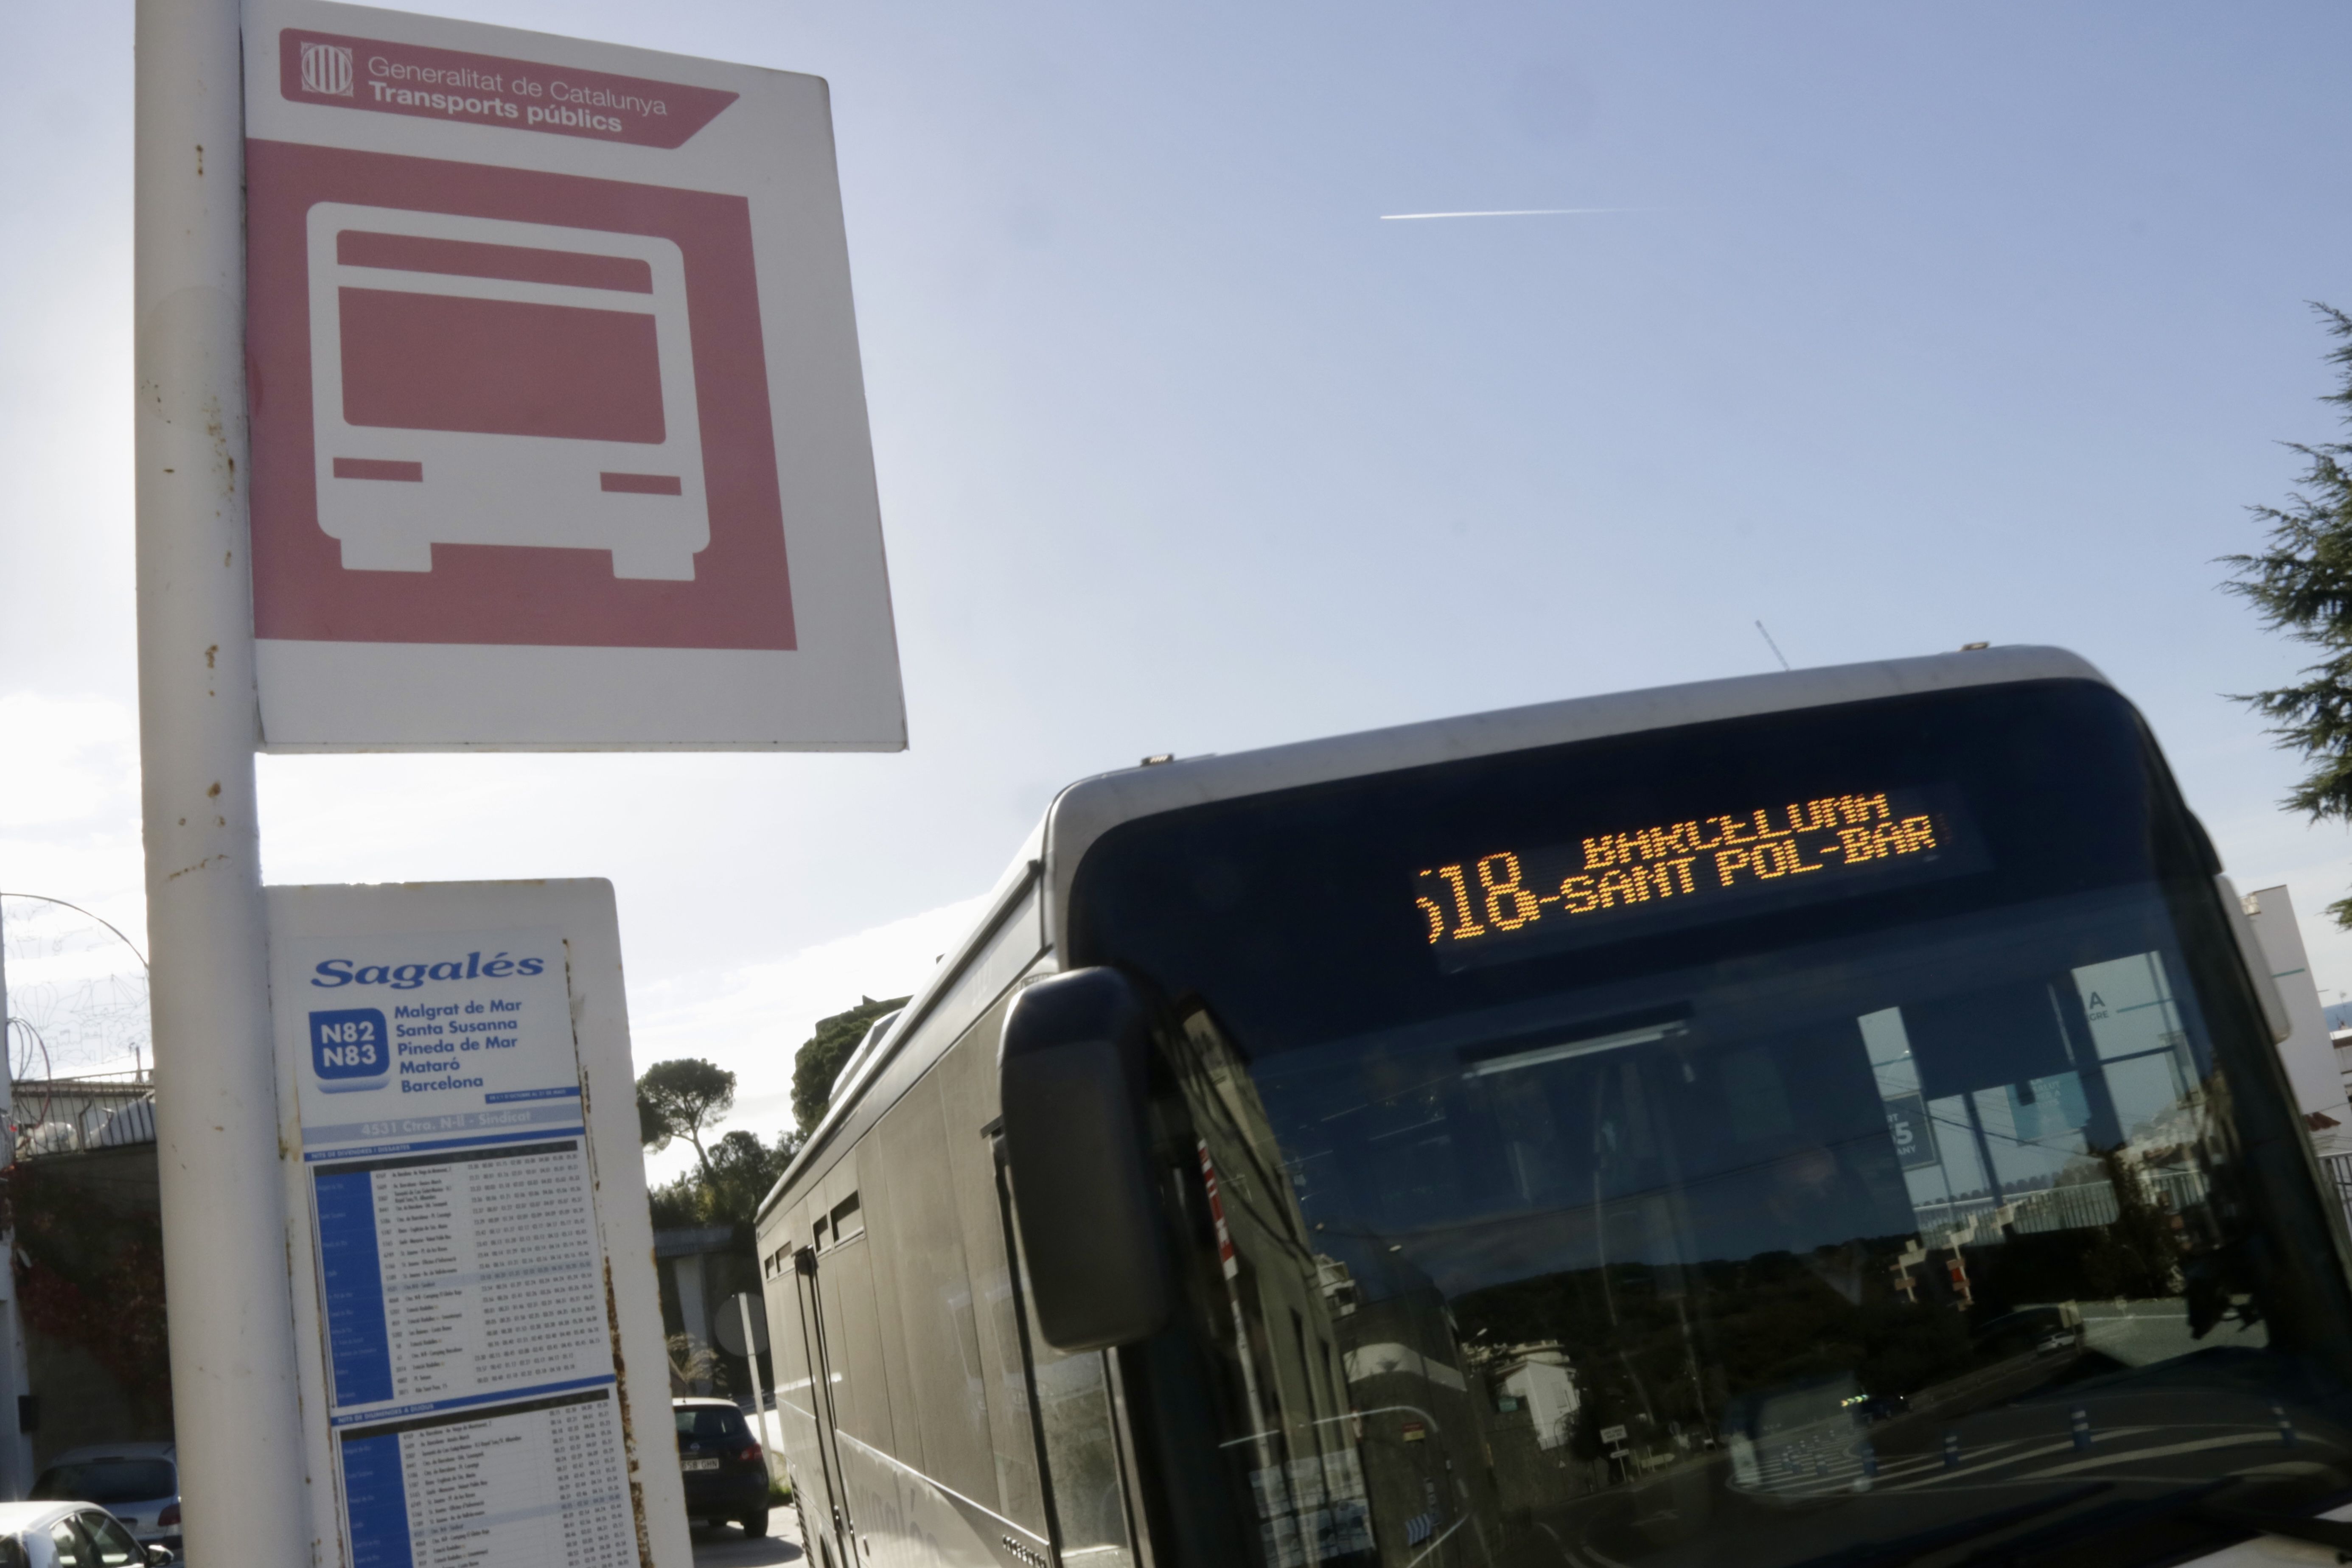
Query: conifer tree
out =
(683, 1099)
(2301, 583)
(823, 1055)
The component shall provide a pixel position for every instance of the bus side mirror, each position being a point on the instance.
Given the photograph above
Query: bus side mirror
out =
(1071, 1072)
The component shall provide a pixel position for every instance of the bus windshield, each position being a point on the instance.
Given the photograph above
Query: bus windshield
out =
(1835, 1137)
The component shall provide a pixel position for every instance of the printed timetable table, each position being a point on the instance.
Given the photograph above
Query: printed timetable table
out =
(457, 1271)
(529, 1484)
(467, 1355)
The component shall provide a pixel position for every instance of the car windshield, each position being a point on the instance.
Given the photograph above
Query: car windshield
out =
(1832, 1220)
(711, 1424)
(115, 1545)
(106, 1481)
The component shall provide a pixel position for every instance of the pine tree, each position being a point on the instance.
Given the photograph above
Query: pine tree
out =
(823, 1055)
(2301, 582)
(683, 1098)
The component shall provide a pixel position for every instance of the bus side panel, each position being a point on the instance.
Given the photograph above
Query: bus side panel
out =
(918, 1321)
(928, 1299)
(904, 1438)
(905, 1521)
(968, 1091)
(861, 1407)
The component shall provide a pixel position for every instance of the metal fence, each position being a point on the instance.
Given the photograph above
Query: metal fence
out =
(2076, 1206)
(2338, 1168)
(72, 1115)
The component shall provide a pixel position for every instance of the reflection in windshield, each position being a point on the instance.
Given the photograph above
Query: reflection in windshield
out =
(1943, 1230)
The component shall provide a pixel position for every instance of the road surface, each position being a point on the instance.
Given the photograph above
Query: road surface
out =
(727, 1547)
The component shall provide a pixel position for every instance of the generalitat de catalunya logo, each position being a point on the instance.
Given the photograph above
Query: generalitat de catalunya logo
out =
(327, 69)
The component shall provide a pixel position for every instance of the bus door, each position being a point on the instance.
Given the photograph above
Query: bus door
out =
(837, 1522)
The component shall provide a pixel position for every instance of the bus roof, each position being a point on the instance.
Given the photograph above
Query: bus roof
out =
(1085, 810)
(1092, 807)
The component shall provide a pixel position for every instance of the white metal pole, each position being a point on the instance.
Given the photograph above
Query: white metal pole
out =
(224, 1255)
(16, 1448)
(759, 1395)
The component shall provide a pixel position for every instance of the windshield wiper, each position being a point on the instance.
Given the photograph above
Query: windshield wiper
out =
(1903, 1547)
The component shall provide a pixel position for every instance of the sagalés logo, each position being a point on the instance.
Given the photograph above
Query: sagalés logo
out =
(350, 1049)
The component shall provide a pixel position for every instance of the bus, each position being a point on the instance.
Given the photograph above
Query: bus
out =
(1828, 1118)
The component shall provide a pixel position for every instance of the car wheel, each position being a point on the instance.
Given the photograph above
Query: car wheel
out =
(755, 1525)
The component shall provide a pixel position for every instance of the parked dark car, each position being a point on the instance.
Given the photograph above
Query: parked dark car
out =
(725, 1472)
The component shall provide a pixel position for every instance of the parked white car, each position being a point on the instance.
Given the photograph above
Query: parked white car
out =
(69, 1535)
(138, 1483)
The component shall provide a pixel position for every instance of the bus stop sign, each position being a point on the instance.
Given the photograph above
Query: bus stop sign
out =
(559, 431)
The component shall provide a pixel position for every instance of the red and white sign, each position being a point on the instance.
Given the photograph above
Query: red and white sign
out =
(558, 429)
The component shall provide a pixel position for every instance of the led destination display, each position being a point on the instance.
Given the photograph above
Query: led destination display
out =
(1830, 845)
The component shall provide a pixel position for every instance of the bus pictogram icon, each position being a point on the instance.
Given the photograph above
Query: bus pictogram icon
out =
(491, 382)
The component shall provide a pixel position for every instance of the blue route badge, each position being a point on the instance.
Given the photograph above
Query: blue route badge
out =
(350, 1049)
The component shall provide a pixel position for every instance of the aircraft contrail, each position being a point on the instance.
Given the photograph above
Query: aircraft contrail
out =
(1510, 213)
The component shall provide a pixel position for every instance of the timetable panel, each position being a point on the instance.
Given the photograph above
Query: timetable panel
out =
(470, 1375)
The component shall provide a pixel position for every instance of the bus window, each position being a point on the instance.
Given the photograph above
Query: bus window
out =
(1778, 1141)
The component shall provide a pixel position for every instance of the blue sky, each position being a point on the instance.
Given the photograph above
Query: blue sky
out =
(1921, 325)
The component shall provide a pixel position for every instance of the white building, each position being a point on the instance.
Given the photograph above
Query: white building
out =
(2309, 1053)
(1537, 1376)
